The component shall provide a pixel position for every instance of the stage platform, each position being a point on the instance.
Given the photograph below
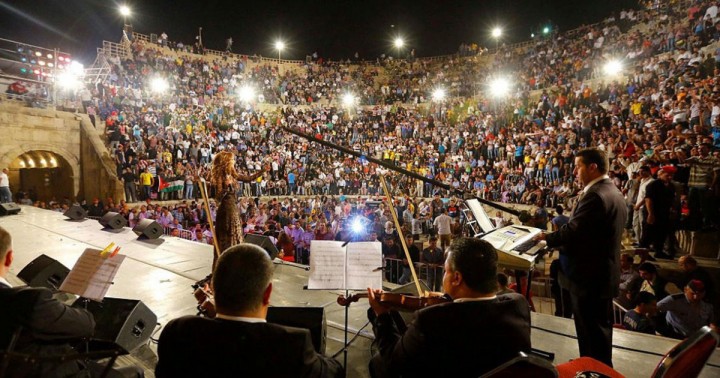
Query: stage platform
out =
(160, 273)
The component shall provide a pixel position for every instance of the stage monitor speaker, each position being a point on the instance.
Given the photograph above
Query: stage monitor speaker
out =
(148, 228)
(76, 212)
(44, 271)
(310, 318)
(124, 323)
(263, 242)
(9, 208)
(113, 220)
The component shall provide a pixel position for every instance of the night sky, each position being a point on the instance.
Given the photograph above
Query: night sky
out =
(334, 29)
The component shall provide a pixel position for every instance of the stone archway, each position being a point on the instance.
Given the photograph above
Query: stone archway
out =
(48, 170)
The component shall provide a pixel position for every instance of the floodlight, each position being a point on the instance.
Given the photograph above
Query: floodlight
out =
(499, 87)
(438, 94)
(613, 67)
(279, 45)
(348, 99)
(76, 68)
(159, 85)
(546, 30)
(68, 80)
(357, 226)
(125, 10)
(246, 93)
(496, 32)
(399, 42)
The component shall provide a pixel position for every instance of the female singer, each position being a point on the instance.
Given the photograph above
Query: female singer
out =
(224, 177)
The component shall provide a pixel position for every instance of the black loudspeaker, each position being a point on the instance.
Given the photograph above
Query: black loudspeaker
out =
(113, 220)
(44, 271)
(123, 323)
(76, 212)
(9, 208)
(148, 228)
(311, 318)
(263, 242)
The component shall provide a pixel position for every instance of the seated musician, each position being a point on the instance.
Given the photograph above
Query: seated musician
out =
(46, 328)
(239, 339)
(467, 337)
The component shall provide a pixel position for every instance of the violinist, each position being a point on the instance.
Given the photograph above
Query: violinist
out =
(467, 337)
(239, 341)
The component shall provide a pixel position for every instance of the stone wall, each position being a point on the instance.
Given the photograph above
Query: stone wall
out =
(70, 136)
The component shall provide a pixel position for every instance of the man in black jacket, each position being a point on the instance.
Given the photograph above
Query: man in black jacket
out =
(590, 254)
(467, 337)
(44, 326)
(239, 339)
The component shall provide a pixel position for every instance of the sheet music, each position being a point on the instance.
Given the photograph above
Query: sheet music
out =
(92, 275)
(327, 265)
(364, 266)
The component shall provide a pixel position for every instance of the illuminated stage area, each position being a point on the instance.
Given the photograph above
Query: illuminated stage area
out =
(160, 273)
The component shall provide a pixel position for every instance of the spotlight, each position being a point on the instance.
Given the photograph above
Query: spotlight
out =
(613, 67)
(357, 226)
(399, 42)
(496, 32)
(438, 94)
(67, 80)
(499, 87)
(246, 93)
(159, 85)
(348, 99)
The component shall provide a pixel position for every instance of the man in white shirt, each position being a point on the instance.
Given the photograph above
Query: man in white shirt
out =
(443, 225)
(638, 216)
(5, 193)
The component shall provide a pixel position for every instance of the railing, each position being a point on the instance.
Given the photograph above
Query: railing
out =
(182, 234)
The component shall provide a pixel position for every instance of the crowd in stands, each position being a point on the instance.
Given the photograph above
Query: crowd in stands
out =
(659, 123)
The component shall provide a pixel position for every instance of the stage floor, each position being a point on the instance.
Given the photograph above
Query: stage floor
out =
(160, 273)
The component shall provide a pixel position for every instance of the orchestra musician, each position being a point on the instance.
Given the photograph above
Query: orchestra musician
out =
(45, 328)
(469, 336)
(239, 339)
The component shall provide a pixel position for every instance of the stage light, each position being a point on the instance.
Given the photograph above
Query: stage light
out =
(23, 59)
(76, 68)
(33, 61)
(399, 43)
(246, 93)
(499, 87)
(23, 70)
(438, 94)
(532, 35)
(42, 62)
(613, 67)
(67, 80)
(51, 65)
(357, 226)
(496, 32)
(49, 56)
(61, 58)
(546, 30)
(38, 53)
(36, 72)
(348, 99)
(125, 10)
(159, 85)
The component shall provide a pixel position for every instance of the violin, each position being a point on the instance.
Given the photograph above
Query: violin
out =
(400, 302)
(205, 298)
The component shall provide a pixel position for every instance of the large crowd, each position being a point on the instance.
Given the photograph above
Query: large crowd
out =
(659, 123)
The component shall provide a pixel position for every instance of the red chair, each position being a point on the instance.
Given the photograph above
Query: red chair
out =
(688, 358)
(576, 367)
(524, 366)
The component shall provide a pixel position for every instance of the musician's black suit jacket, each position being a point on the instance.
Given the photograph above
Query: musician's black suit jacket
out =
(194, 346)
(463, 339)
(590, 254)
(47, 326)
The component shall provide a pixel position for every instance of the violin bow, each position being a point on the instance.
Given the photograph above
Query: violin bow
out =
(203, 192)
(391, 206)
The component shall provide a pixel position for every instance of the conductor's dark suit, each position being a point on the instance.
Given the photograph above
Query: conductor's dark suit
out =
(47, 325)
(463, 339)
(193, 346)
(590, 265)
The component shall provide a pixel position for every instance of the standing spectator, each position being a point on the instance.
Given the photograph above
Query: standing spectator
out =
(146, 180)
(414, 257)
(434, 257)
(129, 178)
(639, 213)
(704, 178)
(659, 200)
(5, 193)
(444, 228)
